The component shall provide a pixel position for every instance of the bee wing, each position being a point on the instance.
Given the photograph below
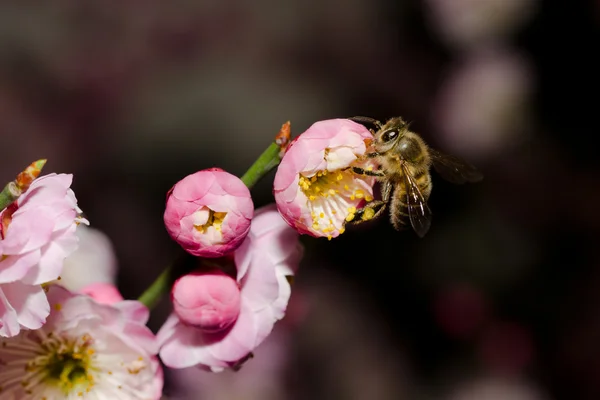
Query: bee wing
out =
(454, 169)
(419, 212)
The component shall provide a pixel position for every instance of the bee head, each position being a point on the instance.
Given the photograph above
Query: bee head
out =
(389, 134)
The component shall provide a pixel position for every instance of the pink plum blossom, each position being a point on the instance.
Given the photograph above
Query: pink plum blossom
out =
(102, 351)
(315, 189)
(269, 255)
(262, 379)
(37, 234)
(209, 212)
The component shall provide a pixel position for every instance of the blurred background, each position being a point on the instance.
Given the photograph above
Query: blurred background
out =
(500, 301)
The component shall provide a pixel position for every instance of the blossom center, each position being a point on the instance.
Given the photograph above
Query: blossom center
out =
(206, 218)
(64, 363)
(47, 365)
(332, 197)
(67, 369)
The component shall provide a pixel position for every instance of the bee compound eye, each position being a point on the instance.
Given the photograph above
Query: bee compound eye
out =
(389, 135)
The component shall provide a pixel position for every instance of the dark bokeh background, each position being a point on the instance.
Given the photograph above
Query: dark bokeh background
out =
(501, 300)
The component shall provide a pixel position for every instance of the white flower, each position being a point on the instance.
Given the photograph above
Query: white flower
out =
(94, 261)
(86, 350)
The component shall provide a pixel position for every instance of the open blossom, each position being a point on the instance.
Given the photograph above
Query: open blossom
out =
(262, 264)
(262, 379)
(94, 260)
(209, 212)
(92, 268)
(315, 189)
(37, 234)
(85, 350)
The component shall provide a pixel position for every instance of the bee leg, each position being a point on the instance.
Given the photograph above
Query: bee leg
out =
(362, 171)
(386, 191)
(370, 211)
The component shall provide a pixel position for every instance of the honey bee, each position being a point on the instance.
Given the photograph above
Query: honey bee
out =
(404, 161)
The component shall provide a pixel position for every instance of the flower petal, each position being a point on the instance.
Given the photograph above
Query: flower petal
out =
(24, 305)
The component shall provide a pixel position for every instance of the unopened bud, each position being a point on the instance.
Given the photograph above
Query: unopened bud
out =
(206, 300)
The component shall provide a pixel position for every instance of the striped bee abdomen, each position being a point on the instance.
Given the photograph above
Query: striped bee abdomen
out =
(399, 213)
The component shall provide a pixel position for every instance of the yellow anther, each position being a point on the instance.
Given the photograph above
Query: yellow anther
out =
(350, 217)
(215, 219)
(322, 215)
(331, 191)
(312, 197)
(368, 213)
(368, 198)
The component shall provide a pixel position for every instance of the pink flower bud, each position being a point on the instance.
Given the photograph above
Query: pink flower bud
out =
(209, 212)
(269, 255)
(315, 189)
(103, 293)
(209, 301)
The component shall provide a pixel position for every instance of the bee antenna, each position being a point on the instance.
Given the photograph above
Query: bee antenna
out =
(366, 120)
